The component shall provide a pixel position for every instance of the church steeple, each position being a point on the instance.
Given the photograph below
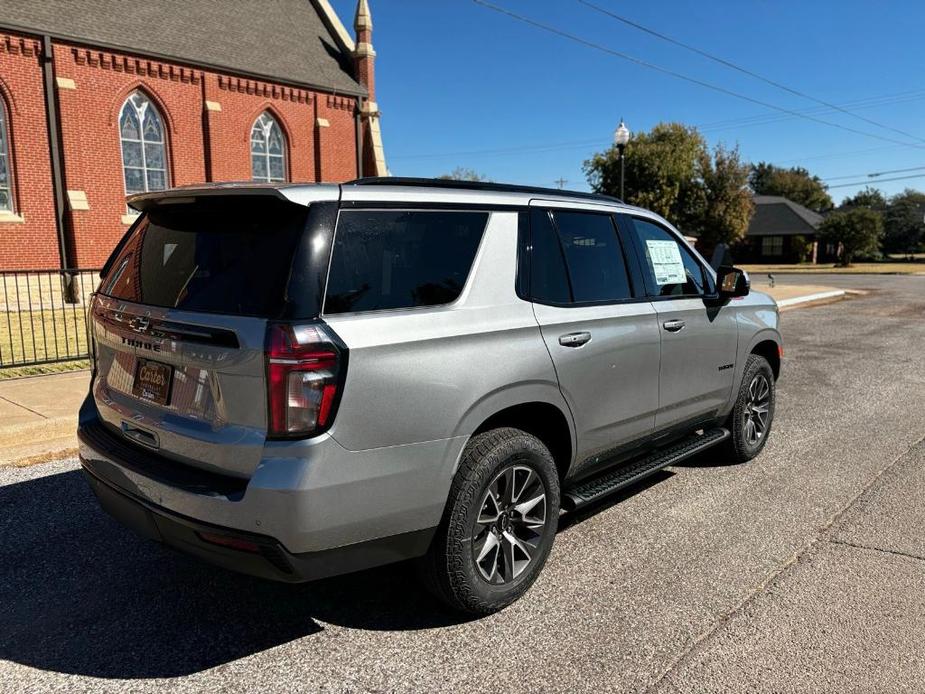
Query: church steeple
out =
(365, 54)
(365, 60)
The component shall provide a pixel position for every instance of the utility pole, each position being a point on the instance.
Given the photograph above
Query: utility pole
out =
(560, 182)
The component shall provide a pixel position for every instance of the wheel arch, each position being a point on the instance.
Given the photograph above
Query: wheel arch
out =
(544, 421)
(770, 349)
(537, 408)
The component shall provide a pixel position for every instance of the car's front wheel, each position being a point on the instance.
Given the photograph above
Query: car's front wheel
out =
(753, 413)
(499, 524)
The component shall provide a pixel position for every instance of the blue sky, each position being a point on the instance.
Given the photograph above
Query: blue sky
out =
(461, 85)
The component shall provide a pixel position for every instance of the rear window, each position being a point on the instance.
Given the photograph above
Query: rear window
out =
(401, 259)
(228, 254)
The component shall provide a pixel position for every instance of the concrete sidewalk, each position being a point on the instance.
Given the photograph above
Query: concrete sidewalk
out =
(38, 414)
(792, 295)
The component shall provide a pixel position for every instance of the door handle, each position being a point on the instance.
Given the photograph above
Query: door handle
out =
(574, 339)
(673, 326)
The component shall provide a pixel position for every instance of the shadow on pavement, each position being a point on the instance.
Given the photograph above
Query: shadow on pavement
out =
(80, 594)
(711, 457)
(573, 518)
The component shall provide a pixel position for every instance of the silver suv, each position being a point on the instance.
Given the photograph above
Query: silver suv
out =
(297, 381)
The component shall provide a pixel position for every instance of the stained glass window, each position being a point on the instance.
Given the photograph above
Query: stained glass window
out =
(144, 147)
(268, 150)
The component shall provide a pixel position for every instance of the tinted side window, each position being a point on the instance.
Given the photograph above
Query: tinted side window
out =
(592, 250)
(671, 269)
(548, 278)
(401, 259)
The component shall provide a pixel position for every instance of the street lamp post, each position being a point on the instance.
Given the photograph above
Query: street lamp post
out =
(620, 137)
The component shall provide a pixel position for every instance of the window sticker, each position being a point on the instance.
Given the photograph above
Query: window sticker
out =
(665, 257)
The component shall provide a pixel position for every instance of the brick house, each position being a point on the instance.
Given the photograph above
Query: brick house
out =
(782, 231)
(99, 98)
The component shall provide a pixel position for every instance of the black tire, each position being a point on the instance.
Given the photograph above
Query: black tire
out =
(450, 569)
(742, 446)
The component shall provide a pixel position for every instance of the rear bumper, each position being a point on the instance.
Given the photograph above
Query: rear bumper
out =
(312, 507)
(265, 556)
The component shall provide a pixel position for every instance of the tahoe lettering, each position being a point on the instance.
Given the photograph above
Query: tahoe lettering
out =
(141, 345)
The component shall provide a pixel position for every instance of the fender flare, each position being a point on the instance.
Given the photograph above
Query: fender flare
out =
(763, 335)
(511, 395)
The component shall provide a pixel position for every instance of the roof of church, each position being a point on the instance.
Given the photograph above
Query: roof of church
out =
(299, 42)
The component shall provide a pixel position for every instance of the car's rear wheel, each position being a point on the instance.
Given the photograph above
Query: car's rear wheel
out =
(499, 524)
(751, 417)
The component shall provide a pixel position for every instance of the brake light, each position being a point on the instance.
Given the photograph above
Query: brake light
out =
(91, 334)
(304, 369)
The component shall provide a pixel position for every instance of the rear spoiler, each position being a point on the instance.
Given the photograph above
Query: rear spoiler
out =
(300, 194)
(184, 195)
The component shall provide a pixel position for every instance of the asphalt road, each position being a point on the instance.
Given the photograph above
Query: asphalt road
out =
(803, 570)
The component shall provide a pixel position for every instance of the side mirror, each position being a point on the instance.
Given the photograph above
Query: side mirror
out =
(732, 282)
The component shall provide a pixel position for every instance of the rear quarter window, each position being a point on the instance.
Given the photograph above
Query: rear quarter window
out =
(385, 259)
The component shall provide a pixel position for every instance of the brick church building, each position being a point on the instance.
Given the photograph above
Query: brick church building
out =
(103, 98)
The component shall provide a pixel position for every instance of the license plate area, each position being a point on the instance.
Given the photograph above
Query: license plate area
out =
(153, 381)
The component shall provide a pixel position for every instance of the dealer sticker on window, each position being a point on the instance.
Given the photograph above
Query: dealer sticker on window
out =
(667, 265)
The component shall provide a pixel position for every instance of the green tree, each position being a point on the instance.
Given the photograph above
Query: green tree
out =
(870, 198)
(904, 223)
(671, 171)
(856, 232)
(727, 203)
(661, 167)
(462, 174)
(795, 184)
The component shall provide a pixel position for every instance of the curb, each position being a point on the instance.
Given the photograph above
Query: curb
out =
(812, 298)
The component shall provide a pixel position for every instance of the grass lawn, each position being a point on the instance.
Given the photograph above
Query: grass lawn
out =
(889, 268)
(26, 337)
(42, 369)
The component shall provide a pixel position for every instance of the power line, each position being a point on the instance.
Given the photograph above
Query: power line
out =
(678, 75)
(758, 119)
(875, 174)
(837, 155)
(879, 180)
(743, 70)
(765, 118)
(505, 150)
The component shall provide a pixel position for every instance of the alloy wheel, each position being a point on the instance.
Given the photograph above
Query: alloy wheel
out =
(511, 524)
(757, 409)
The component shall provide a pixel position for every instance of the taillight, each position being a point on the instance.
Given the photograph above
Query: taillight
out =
(91, 334)
(304, 369)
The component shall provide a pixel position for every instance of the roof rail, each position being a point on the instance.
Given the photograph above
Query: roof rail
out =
(476, 185)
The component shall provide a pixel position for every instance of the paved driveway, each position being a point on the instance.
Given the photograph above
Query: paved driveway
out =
(802, 570)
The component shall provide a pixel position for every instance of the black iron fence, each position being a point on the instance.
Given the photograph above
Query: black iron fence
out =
(43, 315)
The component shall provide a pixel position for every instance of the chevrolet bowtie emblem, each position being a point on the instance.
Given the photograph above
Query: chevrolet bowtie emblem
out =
(140, 324)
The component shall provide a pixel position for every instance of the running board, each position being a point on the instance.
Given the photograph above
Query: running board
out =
(623, 476)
